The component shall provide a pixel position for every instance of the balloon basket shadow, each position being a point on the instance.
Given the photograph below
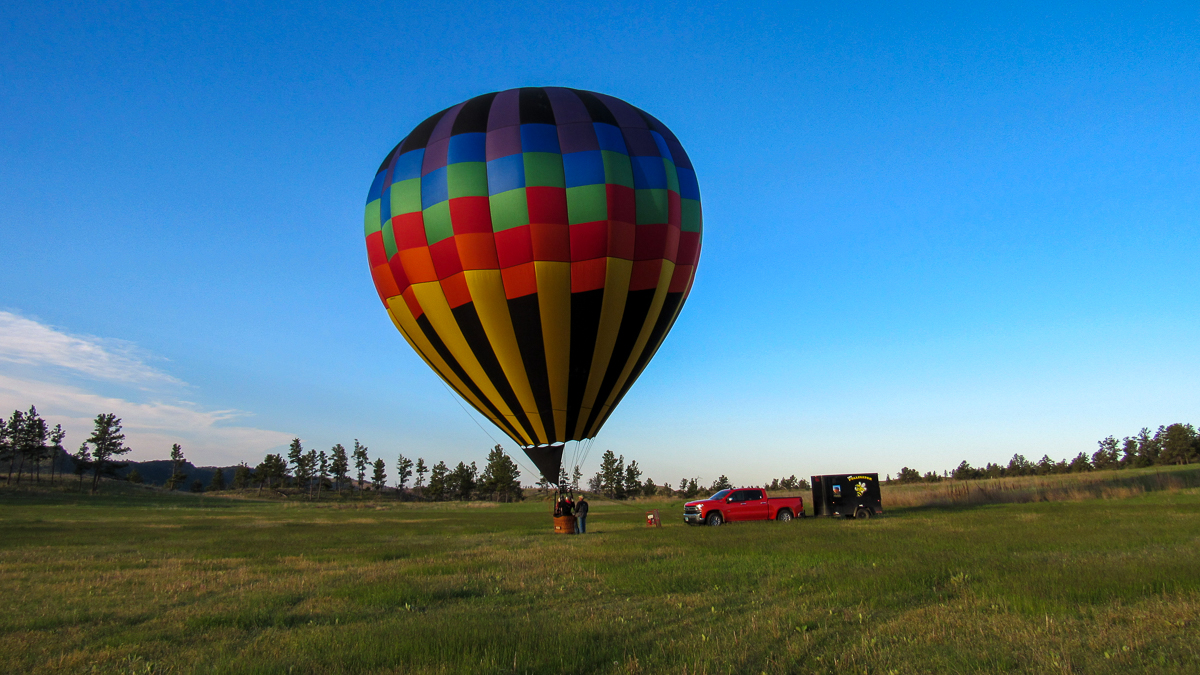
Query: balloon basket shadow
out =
(564, 525)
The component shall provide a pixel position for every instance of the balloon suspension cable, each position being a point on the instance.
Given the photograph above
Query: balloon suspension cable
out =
(575, 458)
(587, 449)
(583, 448)
(579, 455)
(481, 428)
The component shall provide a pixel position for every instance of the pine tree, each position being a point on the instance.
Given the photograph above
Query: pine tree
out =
(322, 472)
(462, 481)
(21, 428)
(83, 461)
(296, 459)
(403, 471)
(500, 477)
(576, 476)
(7, 447)
(34, 442)
(218, 481)
(649, 489)
(107, 442)
(361, 460)
(721, 483)
(612, 474)
(56, 448)
(421, 471)
(134, 477)
(279, 470)
(543, 485)
(241, 476)
(1177, 441)
(310, 471)
(633, 479)
(437, 481)
(262, 473)
(273, 467)
(16, 435)
(1108, 455)
(16, 431)
(177, 478)
(340, 466)
(379, 477)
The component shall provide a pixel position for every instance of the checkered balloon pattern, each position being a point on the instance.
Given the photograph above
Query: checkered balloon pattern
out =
(535, 246)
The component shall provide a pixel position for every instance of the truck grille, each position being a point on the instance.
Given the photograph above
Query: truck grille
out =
(691, 509)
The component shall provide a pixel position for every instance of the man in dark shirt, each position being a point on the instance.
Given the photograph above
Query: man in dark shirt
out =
(581, 511)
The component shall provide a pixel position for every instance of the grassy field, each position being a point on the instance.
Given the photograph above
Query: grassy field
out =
(145, 582)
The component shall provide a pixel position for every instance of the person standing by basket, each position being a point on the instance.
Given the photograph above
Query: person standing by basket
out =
(581, 511)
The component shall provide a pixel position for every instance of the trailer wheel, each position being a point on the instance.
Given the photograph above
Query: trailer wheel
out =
(784, 516)
(714, 519)
(862, 514)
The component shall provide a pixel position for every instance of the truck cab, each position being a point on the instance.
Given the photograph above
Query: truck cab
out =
(741, 504)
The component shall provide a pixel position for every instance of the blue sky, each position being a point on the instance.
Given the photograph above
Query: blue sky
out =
(930, 234)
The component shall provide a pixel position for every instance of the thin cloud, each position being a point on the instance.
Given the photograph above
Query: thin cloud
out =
(150, 428)
(28, 342)
(57, 372)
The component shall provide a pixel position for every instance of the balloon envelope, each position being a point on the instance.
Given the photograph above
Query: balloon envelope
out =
(535, 246)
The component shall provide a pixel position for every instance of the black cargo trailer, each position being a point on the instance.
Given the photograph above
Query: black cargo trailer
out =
(850, 495)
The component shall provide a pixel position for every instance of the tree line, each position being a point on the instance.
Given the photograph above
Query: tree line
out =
(1170, 445)
(312, 473)
(27, 443)
(618, 480)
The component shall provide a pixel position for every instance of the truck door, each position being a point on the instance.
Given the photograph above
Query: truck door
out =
(735, 508)
(755, 506)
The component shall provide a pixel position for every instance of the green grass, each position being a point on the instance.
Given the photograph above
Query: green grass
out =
(140, 581)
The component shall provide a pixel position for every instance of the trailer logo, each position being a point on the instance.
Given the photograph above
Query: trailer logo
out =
(859, 478)
(860, 488)
(837, 490)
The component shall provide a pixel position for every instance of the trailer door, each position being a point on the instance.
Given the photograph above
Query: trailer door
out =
(836, 491)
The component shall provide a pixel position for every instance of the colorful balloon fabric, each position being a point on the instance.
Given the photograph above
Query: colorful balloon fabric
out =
(534, 246)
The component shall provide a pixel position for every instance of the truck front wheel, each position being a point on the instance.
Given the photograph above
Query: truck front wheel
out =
(783, 516)
(714, 519)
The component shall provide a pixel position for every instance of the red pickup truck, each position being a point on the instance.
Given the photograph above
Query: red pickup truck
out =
(741, 504)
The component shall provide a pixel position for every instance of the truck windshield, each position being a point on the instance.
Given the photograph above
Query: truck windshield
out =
(720, 495)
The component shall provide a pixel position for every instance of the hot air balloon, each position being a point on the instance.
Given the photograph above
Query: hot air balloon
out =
(535, 246)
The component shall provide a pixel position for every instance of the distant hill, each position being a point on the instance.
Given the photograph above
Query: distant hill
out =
(157, 471)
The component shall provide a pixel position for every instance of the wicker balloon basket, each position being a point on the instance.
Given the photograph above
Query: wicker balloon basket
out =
(564, 525)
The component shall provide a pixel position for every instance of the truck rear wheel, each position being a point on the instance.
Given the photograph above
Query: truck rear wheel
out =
(714, 519)
(783, 516)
